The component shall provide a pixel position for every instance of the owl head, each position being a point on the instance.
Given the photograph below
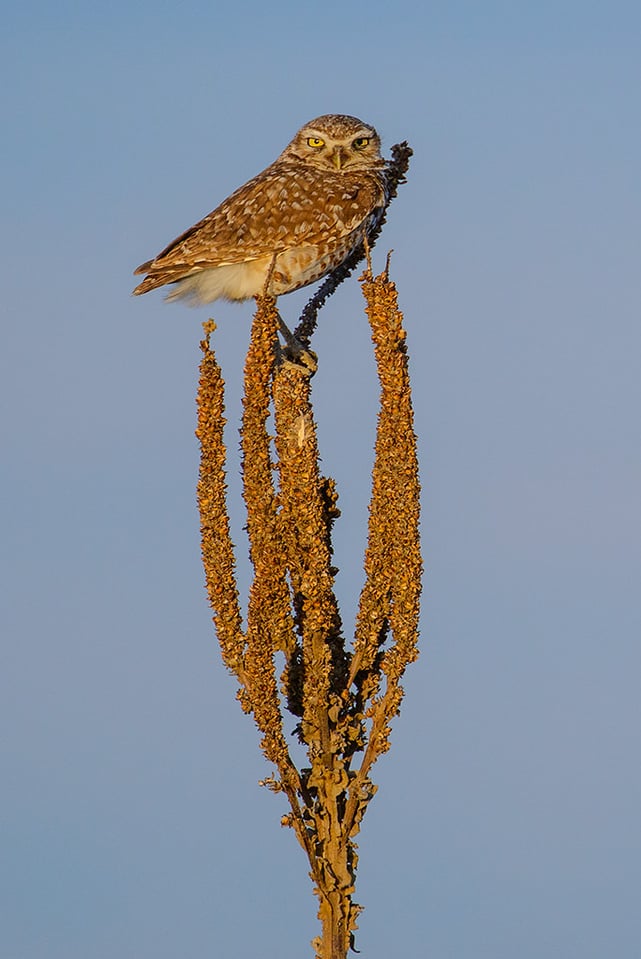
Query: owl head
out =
(336, 142)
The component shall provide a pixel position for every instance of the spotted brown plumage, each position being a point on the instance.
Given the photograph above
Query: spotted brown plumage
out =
(291, 224)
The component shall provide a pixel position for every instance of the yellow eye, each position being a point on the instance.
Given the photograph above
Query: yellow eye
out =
(360, 143)
(315, 142)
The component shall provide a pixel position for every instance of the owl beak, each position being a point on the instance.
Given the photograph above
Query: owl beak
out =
(338, 157)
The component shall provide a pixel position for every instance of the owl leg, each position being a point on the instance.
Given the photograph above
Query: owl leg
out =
(293, 352)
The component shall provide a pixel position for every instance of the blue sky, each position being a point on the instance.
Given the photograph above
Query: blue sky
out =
(507, 821)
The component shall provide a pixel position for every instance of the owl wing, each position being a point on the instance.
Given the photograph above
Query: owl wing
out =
(284, 207)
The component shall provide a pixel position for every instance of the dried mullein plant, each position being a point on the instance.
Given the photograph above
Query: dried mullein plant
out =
(344, 695)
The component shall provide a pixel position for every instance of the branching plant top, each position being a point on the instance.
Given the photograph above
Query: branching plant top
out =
(344, 695)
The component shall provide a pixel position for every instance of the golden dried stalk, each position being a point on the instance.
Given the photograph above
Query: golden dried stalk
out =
(269, 621)
(216, 544)
(306, 524)
(389, 602)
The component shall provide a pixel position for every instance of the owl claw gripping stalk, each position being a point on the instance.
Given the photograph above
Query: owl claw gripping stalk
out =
(343, 695)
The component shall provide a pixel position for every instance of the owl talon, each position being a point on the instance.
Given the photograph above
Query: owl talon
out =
(296, 356)
(295, 353)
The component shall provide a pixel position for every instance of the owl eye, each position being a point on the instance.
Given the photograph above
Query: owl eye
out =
(315, 142)
(360, 143)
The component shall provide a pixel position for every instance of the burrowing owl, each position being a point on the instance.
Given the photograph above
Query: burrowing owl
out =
(291, 225)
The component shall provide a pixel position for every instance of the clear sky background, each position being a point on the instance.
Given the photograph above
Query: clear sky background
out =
(507, 821)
